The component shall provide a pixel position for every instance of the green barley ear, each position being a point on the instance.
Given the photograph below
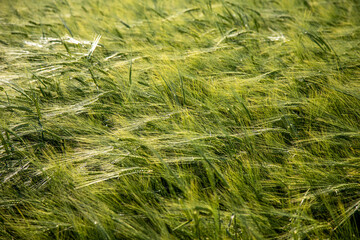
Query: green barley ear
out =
(319, 41)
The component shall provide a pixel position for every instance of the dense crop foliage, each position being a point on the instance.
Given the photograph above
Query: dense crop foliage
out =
(184, 119)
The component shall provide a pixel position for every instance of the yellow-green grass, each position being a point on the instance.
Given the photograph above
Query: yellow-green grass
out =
(179, 119)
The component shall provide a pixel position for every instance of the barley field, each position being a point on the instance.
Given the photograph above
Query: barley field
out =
(182, 119)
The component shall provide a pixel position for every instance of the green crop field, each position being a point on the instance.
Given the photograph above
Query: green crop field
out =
(182, 119)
